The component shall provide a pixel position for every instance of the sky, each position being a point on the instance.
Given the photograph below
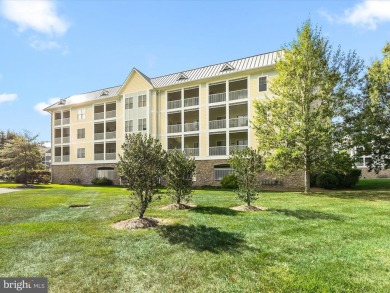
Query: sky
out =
(54, 49)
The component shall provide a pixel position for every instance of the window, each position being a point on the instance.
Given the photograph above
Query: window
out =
(141, 101)
(81, 114)
(81, 133)
(105, 172)
(263, 84)
(141, 124)
(81, 153)
(129, 126)
(129, 103)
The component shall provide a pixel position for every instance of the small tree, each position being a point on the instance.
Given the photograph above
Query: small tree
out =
(246, 163)
(21, 154)
(180, 170)
(142, 163)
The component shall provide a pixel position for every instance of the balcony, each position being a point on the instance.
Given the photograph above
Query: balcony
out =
(57, 140)
(57, 122)
(174, 104)
(65, 158)
(216, 98)
(110, 156)
(65, 120)
(238, 122)
(236, 147)
(174, 128)
(111, 114)
(217, 151)
(99, 157)
(188, 102)
(65, 139)
(217, 124)
(111, 135)
(238, 95)
(191, 126)
(219, 173)
(99, 136)
(98, 116)
(193, 152)
(57, 159)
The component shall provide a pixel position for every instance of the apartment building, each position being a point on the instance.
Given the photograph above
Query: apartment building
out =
(205, 112)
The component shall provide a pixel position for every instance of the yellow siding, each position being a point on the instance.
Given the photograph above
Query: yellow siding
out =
(135, 83)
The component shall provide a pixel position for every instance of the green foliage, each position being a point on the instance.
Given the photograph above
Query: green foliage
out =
(296, 128)
(142, 163)
(246, 163)
(180, 170)
(344, 180)
(230, 181)
(327, 181)
(104, 181)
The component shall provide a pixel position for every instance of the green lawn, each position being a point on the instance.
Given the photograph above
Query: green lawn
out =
(333, 241)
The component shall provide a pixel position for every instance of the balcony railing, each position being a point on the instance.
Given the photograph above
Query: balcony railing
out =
(110, 135)
(99, 136)
(65, 120)
(174, 128)
(238, 122)
(237, 95)
(219, 173)
(57, 121)
(57, 158)
(193, 152)
(65, 158)
(57, 140)
(191, 102)
(98, 116)
(110, 156)
(216, 124)
(174, 104)
(217, 151)
(216, 98)
(111, 114)
(65, 139)
(232, 148)
(191, 126)
(99, 157)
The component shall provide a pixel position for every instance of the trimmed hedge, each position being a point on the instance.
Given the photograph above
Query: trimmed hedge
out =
(104, 181)
(327, 181)
(331, 180)
(230, 181)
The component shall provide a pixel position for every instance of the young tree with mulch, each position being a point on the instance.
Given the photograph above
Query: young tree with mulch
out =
(180, 170)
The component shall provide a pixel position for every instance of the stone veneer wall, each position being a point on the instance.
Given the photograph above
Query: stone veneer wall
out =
(63, 173)
(372, 174)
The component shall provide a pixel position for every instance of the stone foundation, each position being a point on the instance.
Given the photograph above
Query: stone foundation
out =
(372, 174)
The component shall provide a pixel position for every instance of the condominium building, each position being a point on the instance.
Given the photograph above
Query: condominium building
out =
(205, 112)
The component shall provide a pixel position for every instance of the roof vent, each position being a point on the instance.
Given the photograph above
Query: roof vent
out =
(62, 102)
(226, 67)
(182, 76)
(104, 93)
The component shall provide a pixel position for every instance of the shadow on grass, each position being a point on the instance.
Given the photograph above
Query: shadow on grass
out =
(214, 210)
(358, 194)
(202, 238)
(308, 214)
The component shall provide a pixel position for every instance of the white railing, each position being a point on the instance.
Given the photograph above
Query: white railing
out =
(238, 122)
(110, 135)
(99, 136)
(188, 102)
(219, 173)
(57, 158)
(191, 126)
(216, 98)
(57, 140)
(65, 120)
(57, 122)
(176, 149)
(216, 124)
(174, 104)
(110, 156)
(174, 128)
(65, 158)
(217, 151)
(99, 115)
(65, 139)
(236, 147)
(111, 114)
(99, 157)
(192, 152)
(236, 95)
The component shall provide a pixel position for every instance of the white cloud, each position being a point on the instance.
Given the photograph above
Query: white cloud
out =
(368, 13)
(8, 98)
(38, 15)
(40, 106)
(44, 45)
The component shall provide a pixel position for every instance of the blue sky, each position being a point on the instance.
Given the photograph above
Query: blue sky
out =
(54, 49)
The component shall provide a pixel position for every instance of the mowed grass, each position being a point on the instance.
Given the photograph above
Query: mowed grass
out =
(333, 241)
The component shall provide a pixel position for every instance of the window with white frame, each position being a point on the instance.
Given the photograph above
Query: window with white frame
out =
(129, 126)
(81, 133)
(81, 153)
(141, 101)
(81, 114)
(141, 124)
(129, 103)
(262, 84)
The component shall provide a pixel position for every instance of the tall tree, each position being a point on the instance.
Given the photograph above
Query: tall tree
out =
(21, 154)
(371, 119)
(247, 164)
(298, 127)
(180, 170)
(142, 163)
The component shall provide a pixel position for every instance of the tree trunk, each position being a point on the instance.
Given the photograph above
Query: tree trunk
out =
(307, 182)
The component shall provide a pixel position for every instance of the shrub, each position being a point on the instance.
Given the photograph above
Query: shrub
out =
(351, 178)
(229, 181)
(327, 181)
(104, 181)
